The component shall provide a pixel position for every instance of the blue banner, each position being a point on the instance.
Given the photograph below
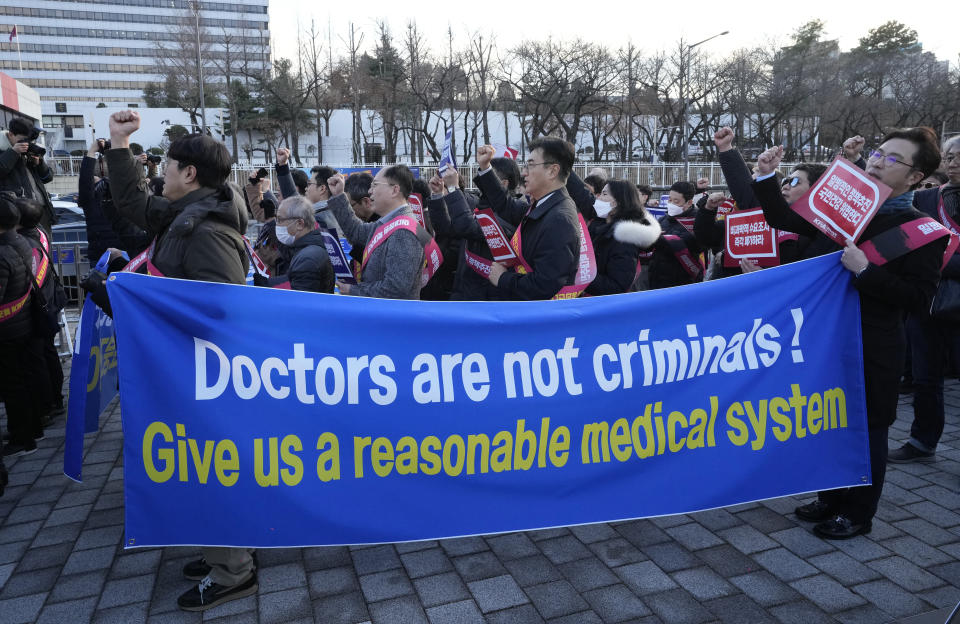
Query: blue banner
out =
(93, 378)
(407, 420)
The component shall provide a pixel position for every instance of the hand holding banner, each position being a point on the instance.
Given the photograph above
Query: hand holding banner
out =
(496, 239)
(842, 202)
(416, 203)
(449, 158)
(341, 264)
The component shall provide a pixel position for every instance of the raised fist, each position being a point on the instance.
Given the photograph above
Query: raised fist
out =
(435, 184)
(723, 139)
(485, 154)
(335, 184)
(124, 123)
(853, 146)
(283, 156)
(768, 161)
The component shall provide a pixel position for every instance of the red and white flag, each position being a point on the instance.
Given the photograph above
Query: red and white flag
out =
(505, 151)
(13, 33)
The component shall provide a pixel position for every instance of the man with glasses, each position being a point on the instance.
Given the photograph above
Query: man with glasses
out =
(931, 340)
(393, 246)
(310, 267)
(318, 192)
(548, 232)
(906, 281)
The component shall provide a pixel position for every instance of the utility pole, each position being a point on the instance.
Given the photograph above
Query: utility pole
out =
(685, 82)
(203, 103)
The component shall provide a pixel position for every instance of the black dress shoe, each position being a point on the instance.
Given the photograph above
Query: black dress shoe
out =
(841, 527)
(908, 453)
(208, 594)
(817, 511)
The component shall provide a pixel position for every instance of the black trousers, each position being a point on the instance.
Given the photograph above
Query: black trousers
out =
(23, 379)
(54, 372)
(930, 341)
(859, 504)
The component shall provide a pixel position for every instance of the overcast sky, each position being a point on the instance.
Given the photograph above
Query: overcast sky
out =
(652, 25)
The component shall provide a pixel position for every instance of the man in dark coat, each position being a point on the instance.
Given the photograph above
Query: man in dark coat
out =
(22, 172)
(549, 230)
(676, 255)
(198, 224)
(904, 284)
(310, 267)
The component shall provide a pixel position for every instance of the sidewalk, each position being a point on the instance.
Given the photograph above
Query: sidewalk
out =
(61, 560)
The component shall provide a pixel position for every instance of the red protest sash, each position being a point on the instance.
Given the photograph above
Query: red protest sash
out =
(432, 258)
(258, 265)
(41, 259)
(686, 222)
(11, 309)
(693, 267)
(586, 271)
(907, 237)
(944, 217)
(145, 258)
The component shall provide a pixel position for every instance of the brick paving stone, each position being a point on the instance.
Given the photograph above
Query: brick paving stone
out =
(542, 534)
(533, 570)
(802, 543)
(891, 598)
(13, 552)
(587, 574)
(617, 552)
(727, 561)
(905, 479)
(616, 603)
(332, 581)
(25, 582)
(512, 546)
(324, 557)
(556, 599)
(405, 609)
(784, 564)
(764, 588)
(888, 512)
(765, 520)
(827, 593)
(802, 612)
(376, 559)
(563, 549)
(184, 617)
(914, 550)
(341, 609)
(5, 571)
(94, 538)
(28, 513)
(716, 519)
(739, 609)
(441, 589)
(747, 539)
(676, 606)
(93, 559)
(949, 572)
(694, 536)
(42, 495)
(864, 614)
(938, 494)
(784, 506)
(78, 586)
(385, 585)
(591, 533)
(844, 568)
(499, 592)
(642, 533)
(426, 562)
(645, 577)
(270, 557)
(108, 517)
(135, 563)
(284, 606)
(926, 532)
(409, 547)
(862, 548)
(524, 614)
(665, 522)
(234, 608)
(463, 612)
(73, 611)
(934, 513)
(478, 566)
(703, 583)
(126, 591)
(127, 614)
(671, 557)
(280, 577)
(19, 532)
(463, 546)
(942, 597)
(905, 574)
(22, 609)
(44, 557)
(584, 617)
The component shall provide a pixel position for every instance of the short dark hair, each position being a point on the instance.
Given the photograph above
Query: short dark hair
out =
(940, 175)
(9, 213)
(31, 212)
(357, 185)
(687, 189)
(401, 176)
(813, 171)
(926, 160)
(627, 197)
(300, 180)
(421, 187)
(268, 207)
(507, 170)
(556, 151)
(156, 185)
(20, 126)
(321, 174)
(595, 182)
(210, 157)
(644, 189)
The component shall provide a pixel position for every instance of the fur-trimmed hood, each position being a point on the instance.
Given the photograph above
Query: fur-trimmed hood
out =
(636, 233)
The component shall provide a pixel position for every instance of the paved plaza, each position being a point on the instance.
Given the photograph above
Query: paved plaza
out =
(61, 560)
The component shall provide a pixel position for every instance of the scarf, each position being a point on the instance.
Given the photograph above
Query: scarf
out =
(897, 204)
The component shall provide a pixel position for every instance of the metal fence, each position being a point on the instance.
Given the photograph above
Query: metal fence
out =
(70, 258)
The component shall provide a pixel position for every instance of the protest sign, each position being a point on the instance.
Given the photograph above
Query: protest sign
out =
(448, 158)
(842, 202)
(664, 200)
(496, 240)
(748, 235)
(726, 207)
(416, 204)
(504, 416)
(338, 257)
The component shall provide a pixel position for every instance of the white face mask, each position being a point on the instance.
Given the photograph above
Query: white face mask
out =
(673, 210)
(284, 236)
(602, 208)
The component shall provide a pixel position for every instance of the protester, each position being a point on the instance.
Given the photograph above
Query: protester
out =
(645, 193)
(905, 283)
(547, 238)
(676, 256)
(310, 267)
(267, 247)
(393, 265)
(621, 230)
(357, 189)
(292, 182)
(256, 189)
(20, 359)
(93, 190)
(198, 224)
(22, 169)
(934, 180)
(931, 339)
(594, 184)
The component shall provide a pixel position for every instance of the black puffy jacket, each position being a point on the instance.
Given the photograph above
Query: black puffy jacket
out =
(15, 262)
(310, 266)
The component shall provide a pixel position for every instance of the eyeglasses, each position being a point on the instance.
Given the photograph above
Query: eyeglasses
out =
(888, 160)
(949, 158)
(312, 183)
(529, 164)
(791, 182)
(282, 219)
(930, 185)
(382, 184)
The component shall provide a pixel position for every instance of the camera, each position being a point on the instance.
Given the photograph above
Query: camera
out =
(261, 174)
(154, 158)
(103, 145)
(35, 150)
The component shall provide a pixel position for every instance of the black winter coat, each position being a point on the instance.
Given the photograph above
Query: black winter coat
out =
(90, 198)
(928, 202)
(15, 270)
(665, 268)
(617, 247)
(310, 266)
(905, 284)
(26, 180)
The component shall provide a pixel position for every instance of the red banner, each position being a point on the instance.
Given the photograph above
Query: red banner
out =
(416, 202)
(842, 202)
(496, 239)
(726, 207)
(748, 235)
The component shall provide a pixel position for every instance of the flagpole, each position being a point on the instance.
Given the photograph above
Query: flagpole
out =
(19, 56)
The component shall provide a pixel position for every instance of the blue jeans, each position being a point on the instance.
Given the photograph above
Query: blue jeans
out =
(930, 343)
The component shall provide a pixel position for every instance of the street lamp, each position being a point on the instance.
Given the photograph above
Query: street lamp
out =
(203, 104)
(685, 83)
